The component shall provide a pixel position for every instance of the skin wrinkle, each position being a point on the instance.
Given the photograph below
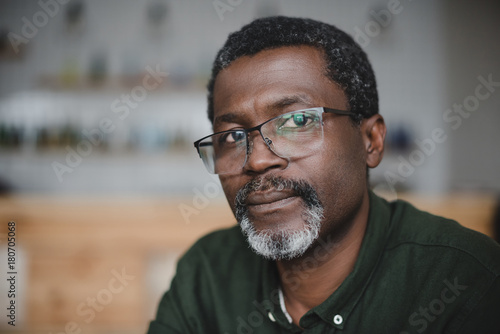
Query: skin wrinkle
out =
(285, 244)
(328, 129)
(345, 62)
(336, 172)
(234, 116)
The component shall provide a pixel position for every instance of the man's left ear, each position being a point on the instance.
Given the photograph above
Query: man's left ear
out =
(373, 131)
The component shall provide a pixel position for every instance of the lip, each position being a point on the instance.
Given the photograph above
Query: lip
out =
(266, 202)
(268, 197)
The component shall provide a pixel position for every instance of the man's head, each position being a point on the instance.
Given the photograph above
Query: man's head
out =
(346, 63)
(275, 66)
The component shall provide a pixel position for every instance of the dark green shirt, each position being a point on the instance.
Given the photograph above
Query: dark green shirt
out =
(416, 273)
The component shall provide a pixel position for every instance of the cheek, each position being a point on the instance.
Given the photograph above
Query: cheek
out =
(342, 170)
(231, 186)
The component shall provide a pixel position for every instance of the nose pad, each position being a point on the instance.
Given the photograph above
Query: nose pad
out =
(269, 144)
(267, 141)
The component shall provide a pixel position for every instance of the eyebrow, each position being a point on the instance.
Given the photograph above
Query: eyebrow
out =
(279, 105)
(291, 100)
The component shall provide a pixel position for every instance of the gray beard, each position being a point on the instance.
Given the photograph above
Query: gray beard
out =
(283, 244)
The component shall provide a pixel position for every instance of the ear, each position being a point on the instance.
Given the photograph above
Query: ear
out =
(373, 131)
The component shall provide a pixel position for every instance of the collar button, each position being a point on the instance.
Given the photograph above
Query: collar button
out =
(337, 319)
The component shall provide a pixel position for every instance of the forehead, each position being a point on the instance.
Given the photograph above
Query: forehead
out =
(263, 85)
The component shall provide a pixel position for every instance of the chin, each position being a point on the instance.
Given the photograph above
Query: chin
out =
(281, 242)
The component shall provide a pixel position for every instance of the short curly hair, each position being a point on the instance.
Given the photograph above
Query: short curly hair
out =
(347, 63)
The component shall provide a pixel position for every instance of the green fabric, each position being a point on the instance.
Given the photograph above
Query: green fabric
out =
(416, 273)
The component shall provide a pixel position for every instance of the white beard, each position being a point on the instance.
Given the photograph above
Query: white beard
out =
(284, 244)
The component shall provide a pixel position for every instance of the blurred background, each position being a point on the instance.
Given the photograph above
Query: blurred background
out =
(100, 102)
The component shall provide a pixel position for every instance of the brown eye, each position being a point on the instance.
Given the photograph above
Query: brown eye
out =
(233, 137)
(296, 121)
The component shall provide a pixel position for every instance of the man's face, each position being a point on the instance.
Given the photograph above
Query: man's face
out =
(271, 189)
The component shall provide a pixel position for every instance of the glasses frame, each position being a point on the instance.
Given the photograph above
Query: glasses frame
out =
(258, 128)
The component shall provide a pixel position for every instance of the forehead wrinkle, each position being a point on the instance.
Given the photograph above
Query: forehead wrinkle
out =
(290, 100)
(275, 107)
(225, 118)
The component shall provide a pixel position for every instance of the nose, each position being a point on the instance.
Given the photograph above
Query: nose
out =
(261, 158)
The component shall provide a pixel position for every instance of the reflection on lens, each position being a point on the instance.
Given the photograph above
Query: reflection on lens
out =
(294, 134)
(224, 152)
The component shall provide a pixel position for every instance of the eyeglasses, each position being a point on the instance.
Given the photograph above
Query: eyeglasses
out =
(295, 134)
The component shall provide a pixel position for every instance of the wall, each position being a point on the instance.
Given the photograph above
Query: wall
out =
(473, 50)
(425, 54)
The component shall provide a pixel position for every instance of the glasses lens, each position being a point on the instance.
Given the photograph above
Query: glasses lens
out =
(294, 134)
(224, 152)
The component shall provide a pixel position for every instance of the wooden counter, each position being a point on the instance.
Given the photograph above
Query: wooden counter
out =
(70, 251)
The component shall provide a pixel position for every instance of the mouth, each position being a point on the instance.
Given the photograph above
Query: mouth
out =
(269, 202)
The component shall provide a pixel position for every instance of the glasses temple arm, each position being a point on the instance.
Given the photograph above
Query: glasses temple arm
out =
(339, 112)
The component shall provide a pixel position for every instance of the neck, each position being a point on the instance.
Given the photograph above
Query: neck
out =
(309, 280)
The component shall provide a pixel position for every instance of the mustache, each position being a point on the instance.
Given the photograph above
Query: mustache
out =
(299, 188)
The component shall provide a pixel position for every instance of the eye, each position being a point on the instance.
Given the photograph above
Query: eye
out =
(297, 120)
(232, 137)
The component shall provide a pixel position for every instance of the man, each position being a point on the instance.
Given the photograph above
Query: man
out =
(294, 108)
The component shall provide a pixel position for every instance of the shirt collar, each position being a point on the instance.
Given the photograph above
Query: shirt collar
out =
(337, 308)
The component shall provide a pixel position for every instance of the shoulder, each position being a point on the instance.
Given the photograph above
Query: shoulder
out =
(216, 251)
(219, 242)
(201, 296)
(230, 236)
(439, 268)
(440, 236)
